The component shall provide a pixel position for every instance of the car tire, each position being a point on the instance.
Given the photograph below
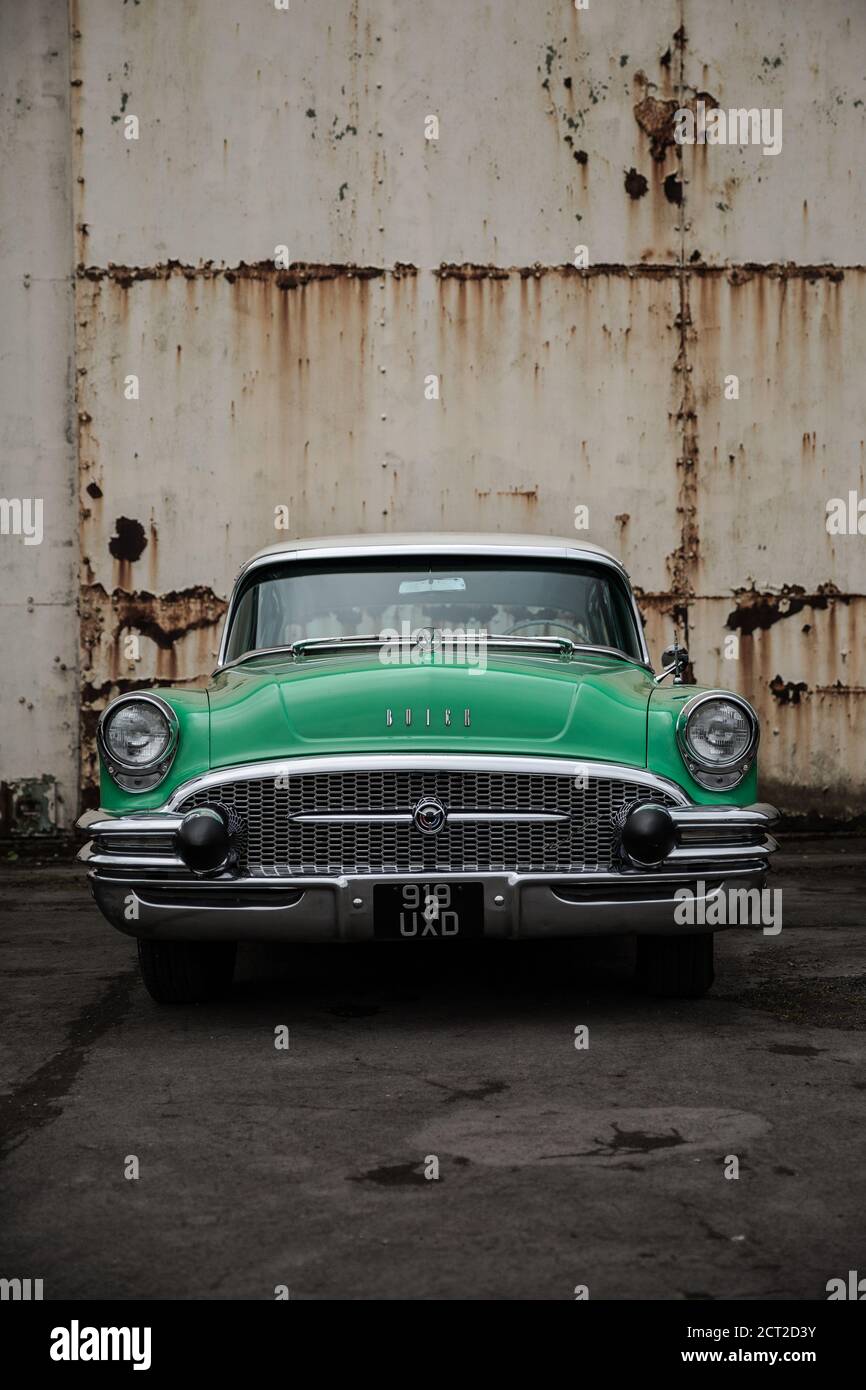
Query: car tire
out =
(675, 967)
(186, 972)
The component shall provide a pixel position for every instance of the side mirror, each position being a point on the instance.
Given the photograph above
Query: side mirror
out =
(674, 659)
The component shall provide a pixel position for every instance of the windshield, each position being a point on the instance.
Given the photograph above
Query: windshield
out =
(287, 603)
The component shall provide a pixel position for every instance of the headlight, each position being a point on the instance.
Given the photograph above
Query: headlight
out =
(718, 735)
(137, 738)
(137, 734)
(718, 732)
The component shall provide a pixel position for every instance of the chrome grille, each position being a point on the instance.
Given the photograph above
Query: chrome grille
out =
(277, 846)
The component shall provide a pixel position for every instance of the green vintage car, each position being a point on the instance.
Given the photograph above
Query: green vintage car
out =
(427, 738)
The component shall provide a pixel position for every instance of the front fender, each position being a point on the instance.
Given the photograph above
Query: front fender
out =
(191, 759)
(664, 757)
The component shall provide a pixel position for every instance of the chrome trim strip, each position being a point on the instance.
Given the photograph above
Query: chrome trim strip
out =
(165, 862)
(408, 762)
(685, 854)
(722, 817)
(562, 647)
(516, 817)
(353, 818)
(689, 817)
(472, 638)
(640, 878)
(215, 886)
(406, 817)
(137, 822)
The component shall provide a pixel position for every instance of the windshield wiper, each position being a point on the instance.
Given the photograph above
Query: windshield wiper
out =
(437, 638)
(562, 647)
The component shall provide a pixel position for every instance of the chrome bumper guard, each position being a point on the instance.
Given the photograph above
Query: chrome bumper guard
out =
(144, 889)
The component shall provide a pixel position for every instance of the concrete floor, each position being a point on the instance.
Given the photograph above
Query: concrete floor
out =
(557, 1167)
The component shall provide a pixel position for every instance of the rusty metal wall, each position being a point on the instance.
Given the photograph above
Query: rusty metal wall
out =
(262, 387)
(38, 581)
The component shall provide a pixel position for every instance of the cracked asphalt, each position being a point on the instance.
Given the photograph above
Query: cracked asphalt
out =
(558, 1167)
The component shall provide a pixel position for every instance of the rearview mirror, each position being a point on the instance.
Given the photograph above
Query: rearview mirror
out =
(674, 659)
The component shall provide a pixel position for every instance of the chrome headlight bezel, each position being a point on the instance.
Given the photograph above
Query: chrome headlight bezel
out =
(720, 776)
(138, 777)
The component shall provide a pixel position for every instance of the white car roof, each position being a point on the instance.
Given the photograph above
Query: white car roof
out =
(437, 542)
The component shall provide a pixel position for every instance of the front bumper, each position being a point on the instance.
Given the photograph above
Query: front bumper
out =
(154, 895)
(341, 909)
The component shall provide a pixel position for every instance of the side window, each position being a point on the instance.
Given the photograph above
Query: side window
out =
(598, 612)
(622, 625)
(609, 617)
(241, 638)
(270, 624)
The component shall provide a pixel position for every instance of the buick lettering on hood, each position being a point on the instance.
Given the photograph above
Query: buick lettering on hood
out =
(427, 738)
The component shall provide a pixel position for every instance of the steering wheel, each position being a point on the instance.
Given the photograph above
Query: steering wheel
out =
(574, 633)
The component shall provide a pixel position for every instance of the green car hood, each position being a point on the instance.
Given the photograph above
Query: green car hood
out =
(590, 708)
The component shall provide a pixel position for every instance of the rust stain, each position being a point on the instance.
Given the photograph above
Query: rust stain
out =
(652, 602)
(130, 541)
(787, 692)
(297, 274)
(76, 121)
(655, 115)
(301, 274)
(635, 184)
(838, 688)
(656, 119)
(775, 270)
(642, 271)
(673, 189)
(681, 562)
(450, 271)
(756, 610)
(164, 618)
(94, 698)
(153, 556)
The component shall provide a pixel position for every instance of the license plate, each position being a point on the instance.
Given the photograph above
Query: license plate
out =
(427, 911)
